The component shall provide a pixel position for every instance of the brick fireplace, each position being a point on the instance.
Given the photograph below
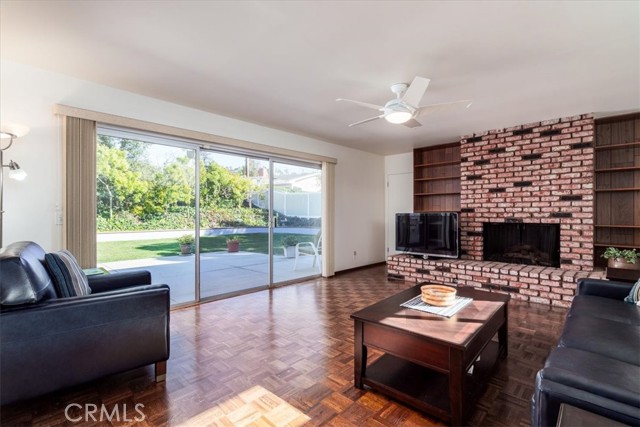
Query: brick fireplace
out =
(536, 173)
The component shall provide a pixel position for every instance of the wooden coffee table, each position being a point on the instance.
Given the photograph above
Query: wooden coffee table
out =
(433, 363)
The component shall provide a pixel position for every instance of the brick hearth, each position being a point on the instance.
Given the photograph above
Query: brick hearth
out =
(545, 285)
(539, 173)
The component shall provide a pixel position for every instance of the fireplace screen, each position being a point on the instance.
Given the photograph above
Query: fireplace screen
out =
(522, 243)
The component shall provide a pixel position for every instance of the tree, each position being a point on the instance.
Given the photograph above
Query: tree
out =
(171, 187)
(119, 188)
(134, 190)
(135, 151)
(221, 188)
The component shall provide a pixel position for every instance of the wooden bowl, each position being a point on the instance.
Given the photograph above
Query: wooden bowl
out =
(438, 295)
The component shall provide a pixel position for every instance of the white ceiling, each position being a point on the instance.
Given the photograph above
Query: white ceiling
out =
(283, 64)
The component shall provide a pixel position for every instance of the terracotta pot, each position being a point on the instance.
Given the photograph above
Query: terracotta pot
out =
(621, 263)
(233, 246)
(185, 249)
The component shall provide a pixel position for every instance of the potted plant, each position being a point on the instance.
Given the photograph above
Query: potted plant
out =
(622, 258)
(233, 244)
(186, 244)
(289, 244)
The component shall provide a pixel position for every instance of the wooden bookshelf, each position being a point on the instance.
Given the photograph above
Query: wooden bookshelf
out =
(436, 178)
(617, 185)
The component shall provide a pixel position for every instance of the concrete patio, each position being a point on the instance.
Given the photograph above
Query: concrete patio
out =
(221, 272)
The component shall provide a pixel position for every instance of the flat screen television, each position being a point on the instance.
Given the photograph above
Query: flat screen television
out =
(428, 234)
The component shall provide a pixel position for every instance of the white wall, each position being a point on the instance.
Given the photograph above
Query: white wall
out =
(396, 165)
(28, 94)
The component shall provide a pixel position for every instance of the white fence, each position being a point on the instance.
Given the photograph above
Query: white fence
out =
(305, 205)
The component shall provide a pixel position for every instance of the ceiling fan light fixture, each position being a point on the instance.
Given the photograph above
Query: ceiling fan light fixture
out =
(398, 117)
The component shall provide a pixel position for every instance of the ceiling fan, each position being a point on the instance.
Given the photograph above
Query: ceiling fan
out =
(404, 108)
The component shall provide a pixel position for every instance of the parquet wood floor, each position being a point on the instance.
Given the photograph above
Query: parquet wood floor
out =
(296, 342)
(254, 407)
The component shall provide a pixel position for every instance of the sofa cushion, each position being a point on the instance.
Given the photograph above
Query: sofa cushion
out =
(23, 277)
(68, 278)
(605, 337)
(605, 308)
(594, 373)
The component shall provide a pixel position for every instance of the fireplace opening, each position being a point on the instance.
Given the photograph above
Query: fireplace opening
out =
(522, 243)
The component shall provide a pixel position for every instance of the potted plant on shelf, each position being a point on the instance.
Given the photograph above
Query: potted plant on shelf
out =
(186, 244)
(289, 244)
(233, 244)
(622, 258)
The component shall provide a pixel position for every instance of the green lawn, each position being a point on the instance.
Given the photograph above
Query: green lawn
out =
(139, 249)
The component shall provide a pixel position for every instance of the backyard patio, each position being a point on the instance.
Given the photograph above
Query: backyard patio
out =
(221, 272)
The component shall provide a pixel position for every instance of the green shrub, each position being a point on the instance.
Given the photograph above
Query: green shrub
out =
(183, 218)
(233, 217)
(186, 239)
(124, 221)
(297, 221)
(290, 241)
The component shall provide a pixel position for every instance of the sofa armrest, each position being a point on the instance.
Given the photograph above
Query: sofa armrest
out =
(550, 394)
(107, 282)
(69, 341)
(604, 288)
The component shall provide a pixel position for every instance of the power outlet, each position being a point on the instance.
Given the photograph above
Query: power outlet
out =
(355, 253)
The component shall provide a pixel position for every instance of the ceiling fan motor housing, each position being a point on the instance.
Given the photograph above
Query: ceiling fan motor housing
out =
(399, 89)
(398, 105)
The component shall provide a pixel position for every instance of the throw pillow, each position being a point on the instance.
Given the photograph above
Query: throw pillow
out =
(68, 278)
(60, 277)
(634, 294)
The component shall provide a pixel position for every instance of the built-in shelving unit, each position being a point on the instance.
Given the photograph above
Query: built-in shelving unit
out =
(614, 190)
(617, 184)
(436, 178)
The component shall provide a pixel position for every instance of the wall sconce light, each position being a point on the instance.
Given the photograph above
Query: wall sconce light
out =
(9, 132)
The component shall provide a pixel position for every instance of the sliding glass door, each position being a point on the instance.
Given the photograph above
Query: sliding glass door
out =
(297, 209)
(146, 209)
(234, 223)
(210, 224)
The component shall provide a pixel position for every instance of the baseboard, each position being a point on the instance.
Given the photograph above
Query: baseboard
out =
(362, 267)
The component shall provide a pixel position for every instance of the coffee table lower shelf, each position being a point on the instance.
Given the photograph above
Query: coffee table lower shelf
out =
(426, 389)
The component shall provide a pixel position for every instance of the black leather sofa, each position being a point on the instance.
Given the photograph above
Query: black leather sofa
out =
(49, 343)
(596, 365)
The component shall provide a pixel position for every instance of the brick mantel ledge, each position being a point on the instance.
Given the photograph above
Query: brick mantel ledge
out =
(544, 285)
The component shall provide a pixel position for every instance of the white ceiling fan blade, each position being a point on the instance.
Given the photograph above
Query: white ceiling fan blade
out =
(363, 104)
(435, 108)
(413, 123)
(416, 90)
(366, 120)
